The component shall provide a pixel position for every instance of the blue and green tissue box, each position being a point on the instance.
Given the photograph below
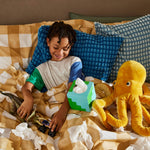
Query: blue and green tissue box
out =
(82, 101)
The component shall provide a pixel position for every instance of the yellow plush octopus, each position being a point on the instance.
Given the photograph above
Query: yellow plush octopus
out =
(128, 91)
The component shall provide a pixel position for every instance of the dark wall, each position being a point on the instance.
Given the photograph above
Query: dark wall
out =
(31, 11)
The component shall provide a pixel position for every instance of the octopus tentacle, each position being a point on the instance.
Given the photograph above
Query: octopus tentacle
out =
(129, 88)
(146, 114)
(136, 116)
(98, 106)
(122, 114)
(145, 99)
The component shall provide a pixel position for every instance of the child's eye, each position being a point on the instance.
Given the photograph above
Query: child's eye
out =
(67, 48)
(55, 47)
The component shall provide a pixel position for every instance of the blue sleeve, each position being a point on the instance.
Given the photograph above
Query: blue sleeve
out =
(76, 71)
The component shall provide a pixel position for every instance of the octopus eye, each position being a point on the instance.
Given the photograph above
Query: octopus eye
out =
(128, 83)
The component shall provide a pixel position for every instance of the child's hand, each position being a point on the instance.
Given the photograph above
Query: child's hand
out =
(60, 117)
(25, 109)
(57, 120)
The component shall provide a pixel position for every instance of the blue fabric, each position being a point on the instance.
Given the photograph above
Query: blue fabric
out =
(76, 71)
(41, 53)
(98, 53)
(136, 44)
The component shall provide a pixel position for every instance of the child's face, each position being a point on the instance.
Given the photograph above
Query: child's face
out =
(57, 50)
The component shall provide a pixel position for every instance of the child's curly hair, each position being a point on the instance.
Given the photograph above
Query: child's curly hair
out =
(62, 30)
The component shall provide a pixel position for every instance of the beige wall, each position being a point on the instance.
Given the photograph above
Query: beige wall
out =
(30, 11)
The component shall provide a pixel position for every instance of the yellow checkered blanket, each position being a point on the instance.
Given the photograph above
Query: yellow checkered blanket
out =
(81, 130)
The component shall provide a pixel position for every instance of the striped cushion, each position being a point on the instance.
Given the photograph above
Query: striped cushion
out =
(136, 44)
(98, 53)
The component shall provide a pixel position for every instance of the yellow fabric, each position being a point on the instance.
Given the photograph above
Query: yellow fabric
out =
(46, 105)
(18, 42)
(128, 90)
(15, 50)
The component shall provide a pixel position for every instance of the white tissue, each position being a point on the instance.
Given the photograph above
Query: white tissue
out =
(121, 129)
(89, 78)
(27, 134)
(5, 132)
(107, 135)
(80, 86)
(142, 143)
(79, 133)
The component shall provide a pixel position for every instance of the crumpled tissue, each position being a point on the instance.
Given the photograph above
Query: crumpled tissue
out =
(142, 143)
(79, 133)
(26, 133)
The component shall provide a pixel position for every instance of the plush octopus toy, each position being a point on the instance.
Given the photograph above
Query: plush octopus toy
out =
(128, 91)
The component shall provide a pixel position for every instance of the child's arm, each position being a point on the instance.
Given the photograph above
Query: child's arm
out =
(60, 117)
(26, 107)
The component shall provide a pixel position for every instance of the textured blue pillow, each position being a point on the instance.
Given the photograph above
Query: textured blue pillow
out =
(98, 53)
(41, 52)
(136, 44)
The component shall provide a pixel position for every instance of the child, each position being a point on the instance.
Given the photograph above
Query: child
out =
(59, 68)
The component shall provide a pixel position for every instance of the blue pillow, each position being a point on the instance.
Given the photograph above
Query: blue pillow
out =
(98, 53)
(136, 44)
(41, 53)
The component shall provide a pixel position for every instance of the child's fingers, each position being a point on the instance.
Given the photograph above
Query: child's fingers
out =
(57, 128)
(53, 126)
(19, 110)
(51, 123)
(27, 115)
(22, 113)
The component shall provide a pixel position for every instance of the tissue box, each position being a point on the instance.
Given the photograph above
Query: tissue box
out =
(82, 101)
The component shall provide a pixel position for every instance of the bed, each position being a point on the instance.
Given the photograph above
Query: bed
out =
(82, 129)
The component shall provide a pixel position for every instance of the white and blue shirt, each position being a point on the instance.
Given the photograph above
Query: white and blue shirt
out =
(53, 73)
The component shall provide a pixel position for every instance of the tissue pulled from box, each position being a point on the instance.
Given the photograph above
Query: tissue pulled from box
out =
(80, 86)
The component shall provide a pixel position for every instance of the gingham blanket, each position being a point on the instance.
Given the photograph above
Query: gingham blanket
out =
(18, 42)
(81, 130)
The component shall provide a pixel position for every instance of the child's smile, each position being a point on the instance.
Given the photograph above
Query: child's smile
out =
(58, 50)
